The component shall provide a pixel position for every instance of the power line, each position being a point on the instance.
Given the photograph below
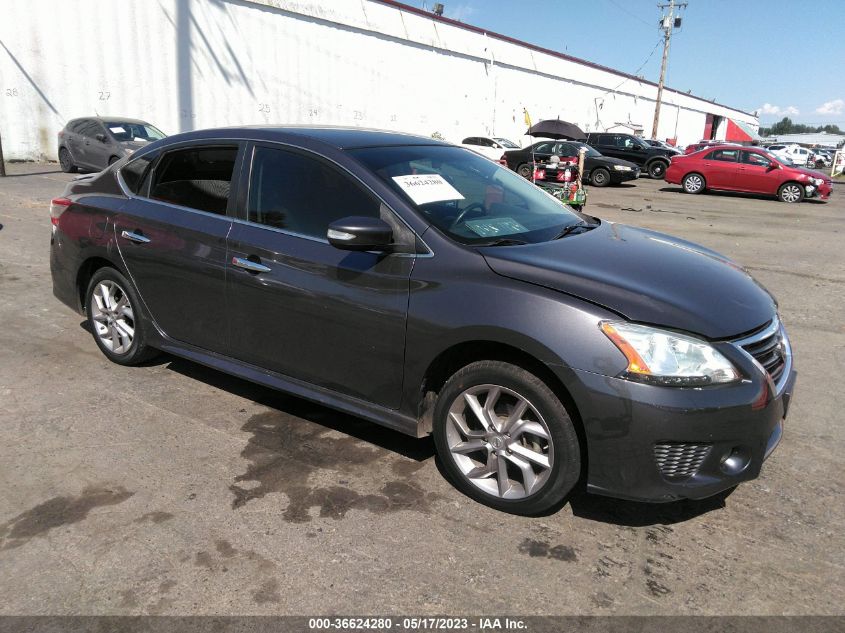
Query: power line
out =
(624, 10)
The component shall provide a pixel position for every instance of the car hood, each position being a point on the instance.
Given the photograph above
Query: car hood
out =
(645, 276)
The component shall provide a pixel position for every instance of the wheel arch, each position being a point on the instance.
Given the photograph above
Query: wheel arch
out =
(790, 182)
(86, 271)
(459, 355)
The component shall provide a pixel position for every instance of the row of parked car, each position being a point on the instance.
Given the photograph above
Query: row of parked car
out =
(612, 158)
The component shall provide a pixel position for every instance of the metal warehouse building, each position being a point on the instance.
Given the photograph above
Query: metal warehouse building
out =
(187, 64)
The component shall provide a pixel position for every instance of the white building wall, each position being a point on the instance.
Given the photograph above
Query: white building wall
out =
(187, 64)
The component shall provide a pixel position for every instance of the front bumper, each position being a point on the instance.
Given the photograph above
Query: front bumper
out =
(639, 436)
(617, 177)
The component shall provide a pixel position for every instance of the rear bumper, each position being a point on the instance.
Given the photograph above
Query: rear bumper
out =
(639, 435)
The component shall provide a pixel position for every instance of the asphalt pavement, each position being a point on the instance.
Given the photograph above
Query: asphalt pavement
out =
(174, 489)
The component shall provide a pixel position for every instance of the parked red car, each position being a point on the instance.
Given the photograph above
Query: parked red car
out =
(747, 170)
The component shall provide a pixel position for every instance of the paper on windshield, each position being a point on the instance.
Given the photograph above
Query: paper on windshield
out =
(117, 130)
(425, 188)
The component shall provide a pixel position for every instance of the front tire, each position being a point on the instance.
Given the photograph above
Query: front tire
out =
(694, 183)
(657, 169)
(791, 192)
(600, 177)
(505, 439)
(65, 161)
(114, 316)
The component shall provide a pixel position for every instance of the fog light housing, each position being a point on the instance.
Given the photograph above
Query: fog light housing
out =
(735, 461)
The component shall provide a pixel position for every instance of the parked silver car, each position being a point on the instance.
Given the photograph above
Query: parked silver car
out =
(94, 143)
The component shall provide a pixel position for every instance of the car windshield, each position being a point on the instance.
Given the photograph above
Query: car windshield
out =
(506, 143)
(469, 198)
(125, 131)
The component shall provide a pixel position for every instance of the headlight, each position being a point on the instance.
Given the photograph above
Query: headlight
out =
(621, 168)
(667, 358)
(818, 182)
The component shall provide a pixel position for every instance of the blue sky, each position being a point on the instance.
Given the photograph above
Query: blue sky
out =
(777, 57)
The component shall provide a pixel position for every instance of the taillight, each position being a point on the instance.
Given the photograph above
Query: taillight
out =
(503, 161)
(57, 207)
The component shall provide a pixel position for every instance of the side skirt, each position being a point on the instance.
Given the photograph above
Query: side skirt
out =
(374, 413)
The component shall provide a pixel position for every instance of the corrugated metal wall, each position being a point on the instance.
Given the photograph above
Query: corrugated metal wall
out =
(187, 64)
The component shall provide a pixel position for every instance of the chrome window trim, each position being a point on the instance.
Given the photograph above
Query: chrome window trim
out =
(775, 327)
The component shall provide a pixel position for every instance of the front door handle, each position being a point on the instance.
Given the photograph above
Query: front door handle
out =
(138, 238)
(251, 266)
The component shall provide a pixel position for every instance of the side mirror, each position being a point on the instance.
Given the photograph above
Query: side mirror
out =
(357, 233)
(101, 138)
(772, 167)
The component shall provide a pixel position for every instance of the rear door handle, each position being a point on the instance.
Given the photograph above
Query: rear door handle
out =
(138, 238)
(251, 266)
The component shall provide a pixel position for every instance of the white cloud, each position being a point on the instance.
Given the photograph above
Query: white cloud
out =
(837, 106)
(768, 108)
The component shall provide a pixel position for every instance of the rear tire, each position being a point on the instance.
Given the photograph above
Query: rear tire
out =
(525, 171)
(694, 183)
(65, 161)
(600, 177)
(114, 316)
(791, 192)
(505, 439)
(657, 169)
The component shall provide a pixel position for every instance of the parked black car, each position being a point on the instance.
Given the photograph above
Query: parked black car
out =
(94, 143)
(652, 160)
(428, 289)
(598, 170)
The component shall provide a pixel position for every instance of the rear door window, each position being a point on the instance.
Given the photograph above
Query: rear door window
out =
(196, 177)
(724, 155)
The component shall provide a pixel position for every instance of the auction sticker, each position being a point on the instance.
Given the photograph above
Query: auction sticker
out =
(425, 188)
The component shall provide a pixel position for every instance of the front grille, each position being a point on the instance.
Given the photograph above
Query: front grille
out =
(679, 460)
(769, 352)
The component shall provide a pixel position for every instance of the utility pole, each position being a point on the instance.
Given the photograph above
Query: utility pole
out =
(667, 24)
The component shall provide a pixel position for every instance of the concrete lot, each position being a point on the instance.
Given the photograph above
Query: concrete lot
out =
(175, 489)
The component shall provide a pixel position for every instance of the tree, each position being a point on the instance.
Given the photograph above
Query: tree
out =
(786, 126)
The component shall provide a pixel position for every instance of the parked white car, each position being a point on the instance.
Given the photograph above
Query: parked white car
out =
(824, 158)
(489, 147)
(800, 156)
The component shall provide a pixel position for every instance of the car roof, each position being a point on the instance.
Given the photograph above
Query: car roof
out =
(338, 137)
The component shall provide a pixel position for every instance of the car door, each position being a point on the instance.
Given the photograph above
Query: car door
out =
(754, 174)
(631, 149)
(301, 307)
(84, 136)
(172, 238)
(99, 146)
(720, 168)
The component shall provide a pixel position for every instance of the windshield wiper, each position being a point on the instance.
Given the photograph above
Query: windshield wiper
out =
(503, 241)
(568, 230)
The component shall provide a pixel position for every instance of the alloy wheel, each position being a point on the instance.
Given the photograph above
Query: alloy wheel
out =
(499, 441)
(693, 183)
(790, 193)
(113, 317)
